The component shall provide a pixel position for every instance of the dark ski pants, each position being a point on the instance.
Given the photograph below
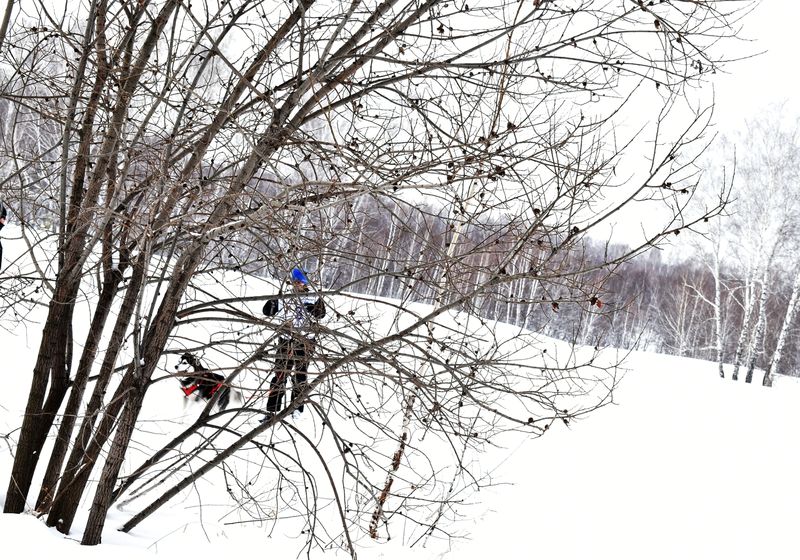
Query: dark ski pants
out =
(291, 358)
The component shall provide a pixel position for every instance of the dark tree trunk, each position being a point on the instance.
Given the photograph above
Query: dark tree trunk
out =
(87, 445)
(102, 498)
(138, 377)
(52, 352)
(50, 369)
(68, 497)
(78, 388)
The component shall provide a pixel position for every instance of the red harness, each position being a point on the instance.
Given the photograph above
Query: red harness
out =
(193, 387)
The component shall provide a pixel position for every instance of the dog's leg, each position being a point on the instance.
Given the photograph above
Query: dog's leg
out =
(225, 395)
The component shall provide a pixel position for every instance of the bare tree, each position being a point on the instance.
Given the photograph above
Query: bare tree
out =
(791, 312)
(6, 20)
(713, 249)
(763, 216)
(242, 136)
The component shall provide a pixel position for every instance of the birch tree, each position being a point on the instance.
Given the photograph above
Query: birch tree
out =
(788, 320)
(764, 215)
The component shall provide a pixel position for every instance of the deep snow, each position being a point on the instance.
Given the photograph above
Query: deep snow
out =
(683, 464)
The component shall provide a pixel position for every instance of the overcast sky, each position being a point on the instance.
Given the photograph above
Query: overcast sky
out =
(771, 77)
(770, 37)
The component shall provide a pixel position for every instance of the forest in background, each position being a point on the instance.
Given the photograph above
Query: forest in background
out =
(662, 301)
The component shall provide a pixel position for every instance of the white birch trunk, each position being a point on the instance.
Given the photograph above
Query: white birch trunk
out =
(718, 308)
(747, 314)
(438, 293)
(530, 309)
(509, 318)
(761, 324)
(388, 259)
(791, 311)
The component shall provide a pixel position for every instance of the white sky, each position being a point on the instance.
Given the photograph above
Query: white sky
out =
(770, 77)
(768, 43)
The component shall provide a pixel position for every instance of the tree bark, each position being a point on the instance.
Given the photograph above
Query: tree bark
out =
(80, 219)
(86, 448)
(77, 389)
(102, 498)
(50, 369)
(718, 307)
(791, 311)
(747, 315)
(6, 20)
(761, 325)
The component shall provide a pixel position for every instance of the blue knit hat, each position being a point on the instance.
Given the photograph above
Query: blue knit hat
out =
(299, 276)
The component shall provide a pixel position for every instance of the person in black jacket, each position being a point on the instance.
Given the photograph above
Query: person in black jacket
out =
(296, 344)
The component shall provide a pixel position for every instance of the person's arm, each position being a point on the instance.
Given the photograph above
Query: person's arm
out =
(316, 309)
(271, 307)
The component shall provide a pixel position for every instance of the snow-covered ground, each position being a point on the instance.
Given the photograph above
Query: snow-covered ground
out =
(682, 465)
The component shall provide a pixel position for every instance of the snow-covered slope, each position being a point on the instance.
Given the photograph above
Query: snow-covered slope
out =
(682, 465)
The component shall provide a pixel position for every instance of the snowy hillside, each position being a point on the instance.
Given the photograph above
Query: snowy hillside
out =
(684, 465)
(681, 465)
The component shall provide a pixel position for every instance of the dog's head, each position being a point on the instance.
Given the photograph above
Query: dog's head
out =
(188, 363)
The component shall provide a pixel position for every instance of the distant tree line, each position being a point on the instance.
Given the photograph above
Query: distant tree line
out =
(653, 303)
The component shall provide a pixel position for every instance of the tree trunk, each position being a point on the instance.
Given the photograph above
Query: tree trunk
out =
(747, 315)
(102, 498)
(139, 376)
(6, 19)
(408, 410)
(50, 369)
(761, 325)
(718, 310)
(80, 219)
(86, 448)
(791, 311)
(77, 389)
(73, 483)
(161, 326)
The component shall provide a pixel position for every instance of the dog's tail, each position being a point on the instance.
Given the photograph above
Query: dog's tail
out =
(230, 395)
(237, 397)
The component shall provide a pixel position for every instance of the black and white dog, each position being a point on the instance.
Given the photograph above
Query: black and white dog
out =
(201, 382)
